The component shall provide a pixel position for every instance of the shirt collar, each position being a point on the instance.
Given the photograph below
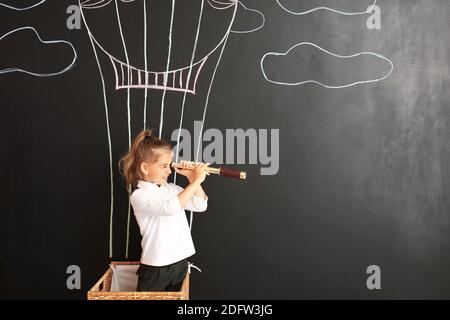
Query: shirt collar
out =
(147, 185)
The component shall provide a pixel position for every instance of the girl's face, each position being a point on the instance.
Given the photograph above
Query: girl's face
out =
(159, 171)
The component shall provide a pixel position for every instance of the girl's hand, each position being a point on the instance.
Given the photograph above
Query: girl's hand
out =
(193, 170)
(185, 169)
(200, 172)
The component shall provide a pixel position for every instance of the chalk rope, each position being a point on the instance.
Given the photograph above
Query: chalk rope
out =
(108, 132)
(183, 79)
(191, 265)
(197, 33)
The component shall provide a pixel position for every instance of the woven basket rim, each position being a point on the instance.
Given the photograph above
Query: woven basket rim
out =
(95, 292)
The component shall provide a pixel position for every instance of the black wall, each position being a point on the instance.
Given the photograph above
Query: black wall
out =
(363, 176)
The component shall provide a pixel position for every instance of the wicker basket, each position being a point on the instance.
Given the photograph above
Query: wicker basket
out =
(102, 289)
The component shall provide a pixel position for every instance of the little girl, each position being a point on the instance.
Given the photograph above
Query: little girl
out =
(159, 210)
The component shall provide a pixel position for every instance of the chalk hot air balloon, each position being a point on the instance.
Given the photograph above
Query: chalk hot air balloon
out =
(159, 45)
(163, 57)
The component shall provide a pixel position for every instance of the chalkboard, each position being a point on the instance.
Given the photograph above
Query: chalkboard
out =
(337, 111)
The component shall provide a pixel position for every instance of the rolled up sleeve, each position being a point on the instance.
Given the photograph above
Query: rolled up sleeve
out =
(146, 205)
(195, 204)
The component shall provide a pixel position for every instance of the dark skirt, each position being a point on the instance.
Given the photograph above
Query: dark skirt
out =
(164, 278)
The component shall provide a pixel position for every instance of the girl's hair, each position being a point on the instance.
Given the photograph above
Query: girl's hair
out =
(144, 148)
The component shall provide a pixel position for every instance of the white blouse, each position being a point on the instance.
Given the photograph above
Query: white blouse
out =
(166, 237)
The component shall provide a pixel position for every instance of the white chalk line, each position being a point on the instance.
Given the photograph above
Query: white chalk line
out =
(369, 10)
(300, 13)
(207, 98)
(161, 121)
(254, 29)
(220, 5)
(188, 79)
(96, 5)
(145, 63)
(332, 54)
(70, 66)
(111, 212)
(23, 8)
(128, 118)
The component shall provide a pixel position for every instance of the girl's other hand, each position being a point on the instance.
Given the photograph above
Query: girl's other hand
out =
(200, 172)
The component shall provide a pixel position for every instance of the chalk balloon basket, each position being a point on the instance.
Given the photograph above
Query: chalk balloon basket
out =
(120, 281)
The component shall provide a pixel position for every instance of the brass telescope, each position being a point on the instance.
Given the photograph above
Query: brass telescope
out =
(222, 171)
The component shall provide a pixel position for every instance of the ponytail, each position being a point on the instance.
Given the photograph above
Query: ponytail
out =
(144, 148)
